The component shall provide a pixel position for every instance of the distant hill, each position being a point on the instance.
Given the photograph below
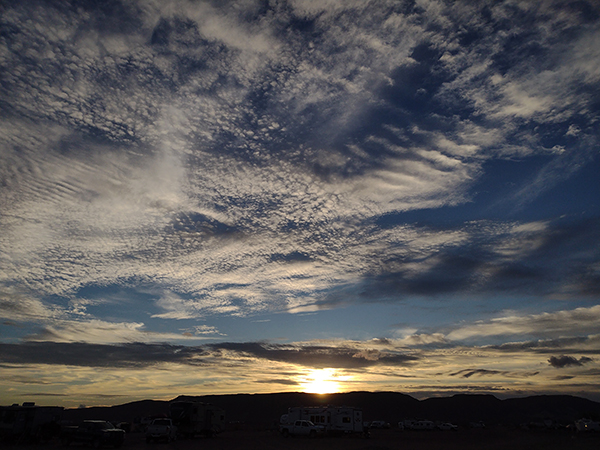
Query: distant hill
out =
(264, 410)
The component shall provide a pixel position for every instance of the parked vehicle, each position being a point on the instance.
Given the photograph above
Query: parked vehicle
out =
(587, 425)
(161, 430)
(423, 425)
(193, 418)
(301, 428)
(333, 419)
(29, 422)
(94, 432)
(407, 424)
(379, 424)
(446, 426)
(125, 426)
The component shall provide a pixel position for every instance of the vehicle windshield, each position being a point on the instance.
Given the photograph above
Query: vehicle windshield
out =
(162, 422)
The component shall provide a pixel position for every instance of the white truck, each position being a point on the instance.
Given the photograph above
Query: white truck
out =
(301, 428)
(161, 430)
(334, 419)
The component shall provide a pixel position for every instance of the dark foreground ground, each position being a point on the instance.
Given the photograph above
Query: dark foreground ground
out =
(489, 439)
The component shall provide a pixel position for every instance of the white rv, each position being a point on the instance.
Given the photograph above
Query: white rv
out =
(335, 419)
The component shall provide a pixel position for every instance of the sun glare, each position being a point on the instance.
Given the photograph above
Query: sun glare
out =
(322, 381)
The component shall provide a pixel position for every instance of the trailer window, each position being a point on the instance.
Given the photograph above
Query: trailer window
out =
(346, 419)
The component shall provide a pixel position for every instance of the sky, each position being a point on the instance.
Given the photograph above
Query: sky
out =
(255, 196)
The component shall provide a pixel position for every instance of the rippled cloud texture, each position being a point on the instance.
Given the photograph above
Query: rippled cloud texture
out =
(404, 194)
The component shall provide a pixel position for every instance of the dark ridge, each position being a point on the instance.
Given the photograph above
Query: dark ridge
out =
(264, 410)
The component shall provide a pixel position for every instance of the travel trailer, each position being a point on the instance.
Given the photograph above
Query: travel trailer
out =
(335, 419)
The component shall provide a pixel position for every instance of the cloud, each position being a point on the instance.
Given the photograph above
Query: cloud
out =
(206, 329)
(419, 340)
(248, 160)
(43, 394)
(103, 332)
(177, 308)
(566, 361)
(20, 307)
(588, 344)
(279, 381)
(468, 373)
(485, 257)
(140, 355)
(316, 356)
(99, 355)
(577, 321)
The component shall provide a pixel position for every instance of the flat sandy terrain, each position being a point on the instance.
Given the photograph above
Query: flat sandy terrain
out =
(488, 439)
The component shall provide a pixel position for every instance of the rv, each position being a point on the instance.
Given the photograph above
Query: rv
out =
(29, 422)
(335, 419)
(192, 418)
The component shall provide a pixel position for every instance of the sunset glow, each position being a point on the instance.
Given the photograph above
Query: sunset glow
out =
(321, 381)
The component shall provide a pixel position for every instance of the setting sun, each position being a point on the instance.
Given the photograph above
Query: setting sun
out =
(322, 381)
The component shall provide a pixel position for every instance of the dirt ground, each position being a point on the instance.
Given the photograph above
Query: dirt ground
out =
(467, 439)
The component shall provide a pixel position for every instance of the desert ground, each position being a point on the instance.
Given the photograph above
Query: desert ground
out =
(466, 439)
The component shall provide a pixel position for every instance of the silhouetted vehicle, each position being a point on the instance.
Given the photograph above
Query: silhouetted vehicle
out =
(446, 426)
(479, 424)
(161, 429)
(193, 418)
(302, 428)
(379, 424)
(423, 425)
(96, 433)
(587, 425)
(125, 426)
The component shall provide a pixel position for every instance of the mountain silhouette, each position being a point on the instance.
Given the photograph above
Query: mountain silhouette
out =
(264, 410)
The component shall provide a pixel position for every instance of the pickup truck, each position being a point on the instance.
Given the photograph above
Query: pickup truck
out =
(94, 432)
(161, 429)
(301, 428)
